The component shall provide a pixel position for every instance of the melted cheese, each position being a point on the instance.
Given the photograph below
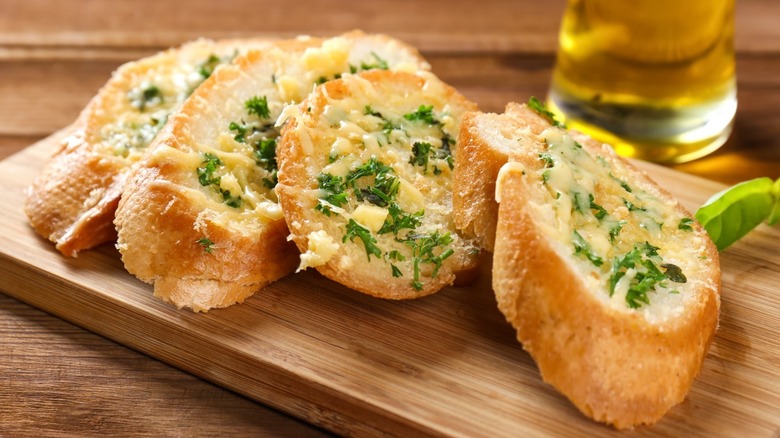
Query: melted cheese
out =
(132, 117)
(584, 193)
(376, 122)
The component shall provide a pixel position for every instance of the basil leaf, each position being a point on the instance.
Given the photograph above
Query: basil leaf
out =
(774, 216)
(734, 212)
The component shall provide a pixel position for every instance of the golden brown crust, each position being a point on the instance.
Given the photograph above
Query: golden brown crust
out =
(615, 368)
(474, 206)
(297, 178)
(72, 201)
(160, 228)
(615, 365)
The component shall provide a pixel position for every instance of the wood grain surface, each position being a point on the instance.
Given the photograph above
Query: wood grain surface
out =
(59, 380)
(447, 364)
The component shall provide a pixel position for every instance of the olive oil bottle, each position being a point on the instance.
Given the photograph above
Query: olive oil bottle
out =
(654, 78)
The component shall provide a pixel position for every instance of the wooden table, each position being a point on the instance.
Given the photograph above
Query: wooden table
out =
(57, 379)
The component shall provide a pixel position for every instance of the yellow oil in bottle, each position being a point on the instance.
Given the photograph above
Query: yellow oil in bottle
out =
(654, 78)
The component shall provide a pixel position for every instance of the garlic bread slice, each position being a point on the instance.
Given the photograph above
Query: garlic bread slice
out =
(73, 199)
(365, 183)
(612, 286)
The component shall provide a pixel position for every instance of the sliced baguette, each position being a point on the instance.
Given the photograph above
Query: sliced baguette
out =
(623, 357)
(199, 218)
(365, 183)
(72, 201)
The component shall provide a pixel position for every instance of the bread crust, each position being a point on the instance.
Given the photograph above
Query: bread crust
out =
(73, 199)
(297, 179)
(613, 364)
(615, 367)
(474, 206)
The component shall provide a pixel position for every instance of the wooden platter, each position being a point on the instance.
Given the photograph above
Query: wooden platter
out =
(447, 364)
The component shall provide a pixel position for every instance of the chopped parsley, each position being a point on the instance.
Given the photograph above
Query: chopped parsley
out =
(622, 183)
(423, 251)
(614, 231)
(674, 273)
(259, 106)
(143, 97)
(632, 207)
(206, 173)
(420, 152)
(322, 79)
(643, 258)
(397, 220)
(385, 186)
(541, 109)
(207, 67)
(206, 177)
(424, 114)
(580, 203)
(377, 63)
(582, 248)
(369, 242)
(370, 112)
(685, 224)
(240, 131)
(547, 159)
(206, 243)
(600, 212)
(265, 157)
(334, 192)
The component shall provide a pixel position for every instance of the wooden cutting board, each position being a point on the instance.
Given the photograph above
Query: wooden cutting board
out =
(447, 364)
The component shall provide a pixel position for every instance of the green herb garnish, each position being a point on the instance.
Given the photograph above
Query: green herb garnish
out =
(541, 109)
(206, 173)
(674, 273)
(614, 231)
(420, 152)
(206, 243)
(376, 64)
(423, 251)
(600, 212)
(547, 159)
(143, 98)
(685, 224)
(731, 214)
(265, 157)
(206, 178)
(240, 131)
(208, 66)
(631, 206)
(642, 258)
(259, 106)
(397, 220)
(582, 247)
(334, 192)
(423, 114)
(369, 242)
(385, 186)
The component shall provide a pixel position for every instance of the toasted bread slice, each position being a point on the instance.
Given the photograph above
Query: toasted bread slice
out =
(612, 286)
(72, 201)
(365, 183)
(199, 218)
